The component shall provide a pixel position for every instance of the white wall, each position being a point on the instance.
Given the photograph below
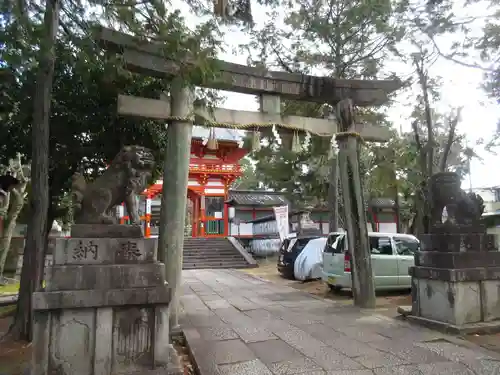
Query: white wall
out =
(488, 195)
(265, 247)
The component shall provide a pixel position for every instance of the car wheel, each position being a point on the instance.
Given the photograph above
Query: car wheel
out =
(335, 288)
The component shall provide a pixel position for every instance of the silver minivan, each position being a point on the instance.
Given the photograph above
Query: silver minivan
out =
(392, 255)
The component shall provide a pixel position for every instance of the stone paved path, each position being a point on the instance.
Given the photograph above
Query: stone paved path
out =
(237, 324)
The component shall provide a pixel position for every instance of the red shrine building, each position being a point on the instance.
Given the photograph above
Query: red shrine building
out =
(213, 167)
(214, 210)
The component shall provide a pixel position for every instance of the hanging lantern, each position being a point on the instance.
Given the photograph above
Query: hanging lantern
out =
(296, 146)
(256, 141)
(212, 141)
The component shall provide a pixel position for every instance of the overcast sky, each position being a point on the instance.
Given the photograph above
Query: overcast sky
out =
(461, 87)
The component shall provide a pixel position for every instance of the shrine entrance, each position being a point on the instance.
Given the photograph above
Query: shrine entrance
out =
(209, 215)
(215, 216)
(211, 173)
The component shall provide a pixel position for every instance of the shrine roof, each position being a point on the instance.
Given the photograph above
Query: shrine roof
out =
(382, 203)
(291, 215)
(372, 203)
(256, 198)
(220, 133)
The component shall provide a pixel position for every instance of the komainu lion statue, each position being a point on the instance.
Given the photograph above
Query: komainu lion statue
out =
(462, 208)
(127, 176)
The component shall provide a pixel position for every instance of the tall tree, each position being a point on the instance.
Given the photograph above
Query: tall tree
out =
(488, 45)
(439, 146)
(347, 39)
(36, 237)
(249, 179)
(435, 140)
(24, 35)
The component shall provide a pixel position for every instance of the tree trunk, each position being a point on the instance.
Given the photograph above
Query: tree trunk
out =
(16, 205)
(4, 210)
(333, 186)
(422, 79)
(39, 201)
(420, 206)
(449, 141)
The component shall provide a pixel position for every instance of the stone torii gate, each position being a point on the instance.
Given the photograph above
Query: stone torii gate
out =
(147, 58)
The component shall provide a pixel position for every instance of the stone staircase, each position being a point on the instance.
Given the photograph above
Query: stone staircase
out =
(212, 253)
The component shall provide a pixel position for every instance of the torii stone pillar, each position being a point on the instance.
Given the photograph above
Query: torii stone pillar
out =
(363, 287)
(175, 184)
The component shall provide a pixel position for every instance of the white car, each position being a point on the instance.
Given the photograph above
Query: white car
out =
(392, 255)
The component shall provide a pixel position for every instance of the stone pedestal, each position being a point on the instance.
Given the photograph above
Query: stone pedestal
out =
(103, 310)
(456, 280)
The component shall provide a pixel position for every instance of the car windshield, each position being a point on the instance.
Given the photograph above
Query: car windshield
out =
(406, 245)
(301, 243)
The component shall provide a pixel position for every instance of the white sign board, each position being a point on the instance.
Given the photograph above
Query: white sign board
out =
(387, 227)
(281, 214)
(120, 211)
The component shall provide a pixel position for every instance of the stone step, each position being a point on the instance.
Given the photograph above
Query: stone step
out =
(214, 262)
(208, 249)
(212, 253)
(207, 240)
(226, 245)
(219, 260)
(201, 265)
(209, 245)
(214, 239)
(213, 256)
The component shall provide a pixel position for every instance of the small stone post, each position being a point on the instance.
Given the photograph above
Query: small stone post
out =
(355, 214)
(175, 183)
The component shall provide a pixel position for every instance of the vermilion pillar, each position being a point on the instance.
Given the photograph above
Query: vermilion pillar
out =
(196, 215)
(147, 218)
(202, 215)
(226, 220)
(121, 213)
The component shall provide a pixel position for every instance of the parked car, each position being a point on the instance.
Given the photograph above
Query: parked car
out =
(289, 251)
(392, 255)
(309, 262)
